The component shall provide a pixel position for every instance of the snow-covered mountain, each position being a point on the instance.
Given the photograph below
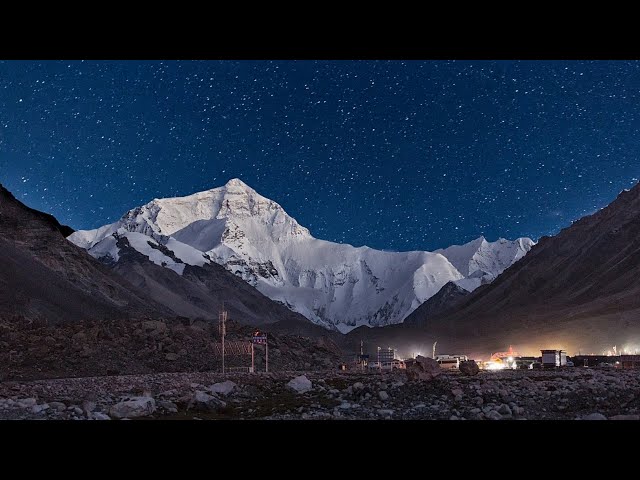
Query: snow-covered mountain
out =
(335, 285)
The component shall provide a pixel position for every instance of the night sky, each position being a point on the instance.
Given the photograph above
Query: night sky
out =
(396, 155)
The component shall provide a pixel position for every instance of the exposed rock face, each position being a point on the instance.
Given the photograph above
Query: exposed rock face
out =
(423, 369)
(44, 279)
(469, 368)
(446, 298)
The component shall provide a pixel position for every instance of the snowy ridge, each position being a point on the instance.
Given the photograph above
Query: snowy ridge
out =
(335, 285)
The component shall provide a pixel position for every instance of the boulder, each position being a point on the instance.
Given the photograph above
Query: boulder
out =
(133, 407)
(594, 416)
(205, 402)
(423, 369)
(171, 357)
(469, 368)
(223, 388)
(168, 406)
(384, 396)
(300, 384)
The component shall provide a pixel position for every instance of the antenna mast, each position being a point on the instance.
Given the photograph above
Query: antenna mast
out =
(222, 318)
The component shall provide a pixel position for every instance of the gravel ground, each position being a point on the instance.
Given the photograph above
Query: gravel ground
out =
(573, 393)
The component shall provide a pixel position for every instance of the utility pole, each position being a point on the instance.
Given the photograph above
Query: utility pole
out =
(222, 317)
(433, 355)
(266, 354)
(361, 359)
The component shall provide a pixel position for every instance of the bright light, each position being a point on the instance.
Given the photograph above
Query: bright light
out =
(510, 359)
(494, 366)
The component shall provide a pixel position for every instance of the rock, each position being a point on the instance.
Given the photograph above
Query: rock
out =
(300, 384)
(27, 402)
(79, 337)
(493, 415)
(204, 401)
(58, 406)
(152, 325)
(100, 416)
(385, 412)
(504, 409)
(223, 388)
(134, 407)
(40, 408)
(345, 405)
(88, 406)
(384, 396)
(457, 392)
(625, 417)
(478, 401)
(423, 369)
(77, 410)
(358, 386)
(594, 416)
(469, 368)
(171, 357)
(168, 406)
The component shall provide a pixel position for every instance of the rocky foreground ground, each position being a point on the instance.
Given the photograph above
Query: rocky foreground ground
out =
(575, 393)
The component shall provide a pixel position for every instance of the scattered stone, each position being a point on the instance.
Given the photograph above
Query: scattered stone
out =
(504, 409)
(171, 357)
(358, 386)
(457, 392)
(384, 396)
(88, 406)
(40, 408)
(385, 412)
(58, 406)
(300, 384)
(134, 407)
(100, 416)
(493, 415)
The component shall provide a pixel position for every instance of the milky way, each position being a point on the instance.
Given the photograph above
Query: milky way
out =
(398, 155)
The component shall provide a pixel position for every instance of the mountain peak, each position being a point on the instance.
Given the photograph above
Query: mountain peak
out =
(236, 182)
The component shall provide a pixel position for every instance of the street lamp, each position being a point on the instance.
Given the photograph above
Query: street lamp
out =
(379, 364)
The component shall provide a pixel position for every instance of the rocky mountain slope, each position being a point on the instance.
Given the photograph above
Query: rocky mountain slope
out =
(578, 290)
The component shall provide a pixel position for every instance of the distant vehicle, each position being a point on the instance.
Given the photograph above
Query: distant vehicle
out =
(605, 365)
(570, 364)
(373, 365)
(536, 366)
(449, 363)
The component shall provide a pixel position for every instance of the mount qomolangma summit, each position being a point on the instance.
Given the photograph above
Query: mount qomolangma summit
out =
(335, 285)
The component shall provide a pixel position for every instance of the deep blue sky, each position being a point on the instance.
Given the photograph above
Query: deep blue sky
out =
(397, 155)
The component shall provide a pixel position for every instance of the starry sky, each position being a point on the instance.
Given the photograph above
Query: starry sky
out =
(396, 155)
